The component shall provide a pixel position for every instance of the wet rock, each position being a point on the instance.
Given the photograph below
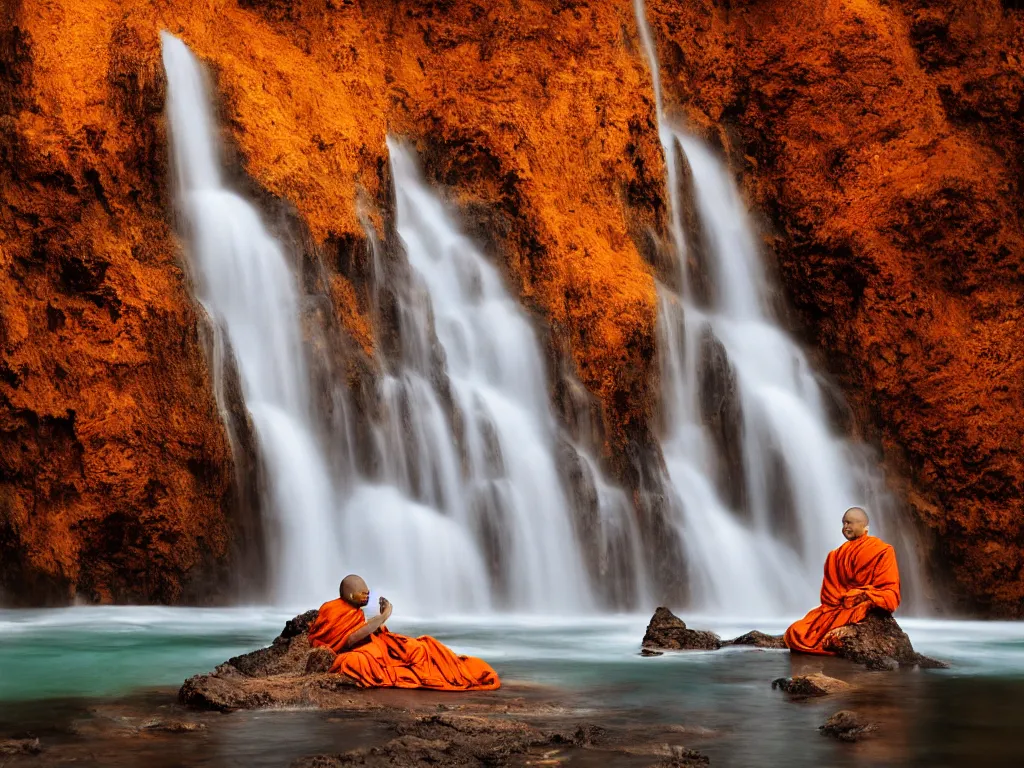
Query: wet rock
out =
(815, 684)
(287, 672)
(668, 632)
(847, 725)
(878, 643)
(684, 758)
(11, 747)
(584, 735)
(758, 639)
(172, 726)
(221, 692)
(649, 652)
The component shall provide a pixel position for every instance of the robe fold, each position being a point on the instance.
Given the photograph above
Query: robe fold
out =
(388, 660)
(864, 566)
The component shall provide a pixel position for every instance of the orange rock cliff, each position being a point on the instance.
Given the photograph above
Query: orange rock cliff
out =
(877, 140)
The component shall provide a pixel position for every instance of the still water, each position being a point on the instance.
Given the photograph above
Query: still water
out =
(56, 662)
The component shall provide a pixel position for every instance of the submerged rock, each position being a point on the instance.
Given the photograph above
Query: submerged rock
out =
(879, 643)
(667, 632)
(815, 684)
(10, 747)
(847, 725)
(449, 740)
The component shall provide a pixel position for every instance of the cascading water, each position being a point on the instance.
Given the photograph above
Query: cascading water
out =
(245, 284)
(485, 485)
(762, 486)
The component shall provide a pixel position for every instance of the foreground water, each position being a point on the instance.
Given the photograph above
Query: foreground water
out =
(60, 660)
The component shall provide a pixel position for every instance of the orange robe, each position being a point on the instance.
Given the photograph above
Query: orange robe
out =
(387, 660)
(864, 566)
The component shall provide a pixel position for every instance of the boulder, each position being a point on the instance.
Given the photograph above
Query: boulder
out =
(667, 632)
(847, 725)
(878, 643)
(815, 684)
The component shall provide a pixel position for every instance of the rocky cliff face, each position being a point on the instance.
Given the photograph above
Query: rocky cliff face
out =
(875, 137)
(882, 142)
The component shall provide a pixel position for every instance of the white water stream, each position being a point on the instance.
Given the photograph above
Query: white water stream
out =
(795, 476)
(243, 280)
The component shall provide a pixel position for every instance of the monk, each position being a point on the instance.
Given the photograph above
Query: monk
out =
(376, 658)
(859, 576)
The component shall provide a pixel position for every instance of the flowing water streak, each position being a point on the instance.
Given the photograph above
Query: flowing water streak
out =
(244, 282)
(487, 477)
(788, 477)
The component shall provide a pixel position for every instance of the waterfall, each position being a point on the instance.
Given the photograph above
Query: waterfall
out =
(244, 282)
(761, 477)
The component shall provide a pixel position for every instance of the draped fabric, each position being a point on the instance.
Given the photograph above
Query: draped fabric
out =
(388, 660)
(864, 566)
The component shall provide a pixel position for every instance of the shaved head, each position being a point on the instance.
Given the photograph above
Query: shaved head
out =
(353, 590)
(855, 523)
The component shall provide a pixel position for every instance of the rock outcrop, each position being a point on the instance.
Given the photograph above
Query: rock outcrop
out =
(879, 643)
(288, 672)
(667, 632)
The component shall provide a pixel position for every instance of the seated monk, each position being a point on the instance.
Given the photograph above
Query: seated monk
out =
(859, 576)
(376, 658)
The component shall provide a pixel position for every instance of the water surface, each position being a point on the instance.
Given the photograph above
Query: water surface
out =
(58, 662)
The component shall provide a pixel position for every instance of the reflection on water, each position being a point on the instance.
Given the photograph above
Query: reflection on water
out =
(964, 716)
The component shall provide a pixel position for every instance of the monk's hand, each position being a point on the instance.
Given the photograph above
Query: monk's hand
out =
(385, 608)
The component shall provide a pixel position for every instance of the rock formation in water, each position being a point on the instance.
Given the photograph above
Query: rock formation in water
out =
(880, 140)
(878, 642)
(882, 143)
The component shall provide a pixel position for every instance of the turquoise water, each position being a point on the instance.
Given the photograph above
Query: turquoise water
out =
(969, 715)
(101, 651)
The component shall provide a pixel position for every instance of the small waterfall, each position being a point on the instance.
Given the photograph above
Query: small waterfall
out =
(761, 478)
(245, 284)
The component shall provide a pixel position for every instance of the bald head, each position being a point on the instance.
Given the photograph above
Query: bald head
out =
(855, 523)
(353, 590)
